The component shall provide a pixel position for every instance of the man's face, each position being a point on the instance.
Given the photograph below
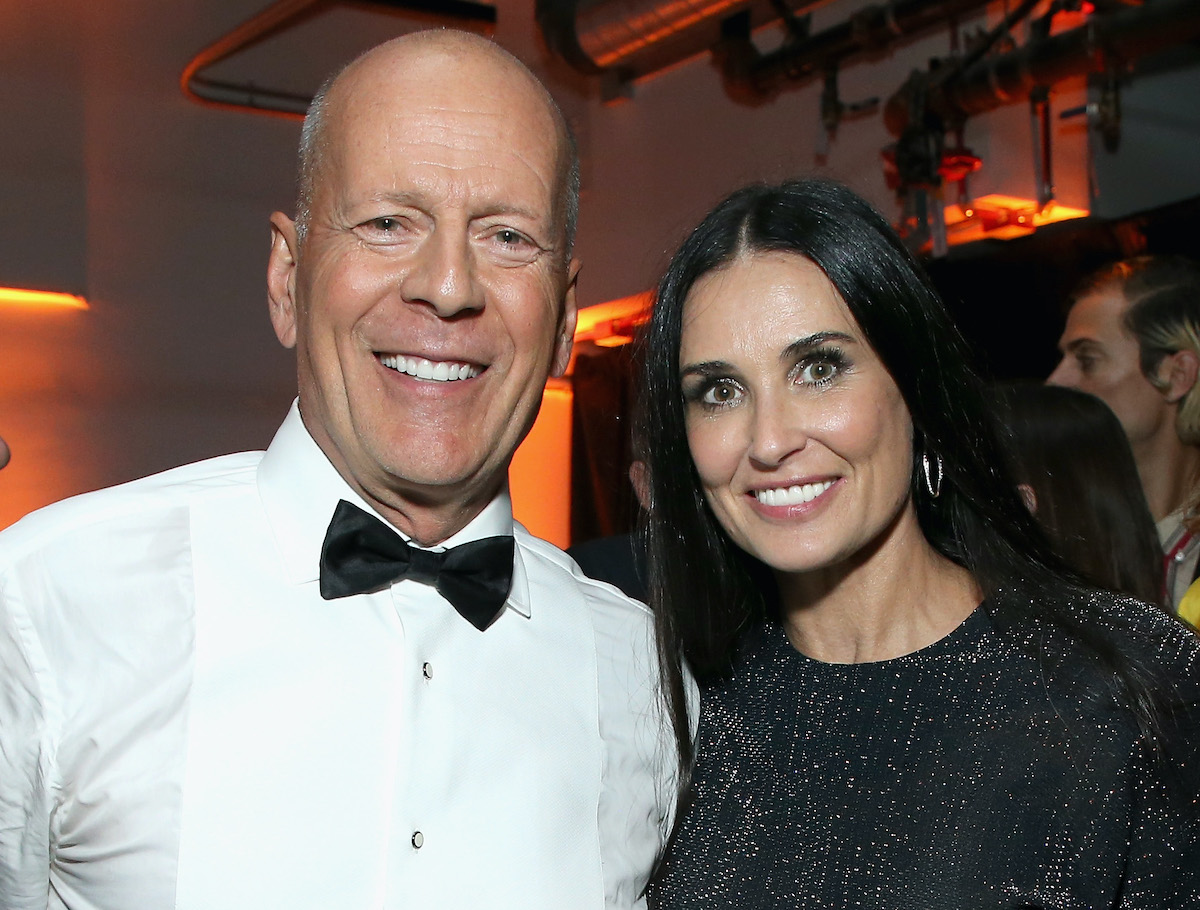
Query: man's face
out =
(432, 296)
(1100, 356)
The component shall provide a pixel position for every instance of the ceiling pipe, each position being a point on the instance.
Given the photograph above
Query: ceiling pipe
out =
(205, 90)
(1105, 42)
(636, 37)
(285, 14)
(870, 30)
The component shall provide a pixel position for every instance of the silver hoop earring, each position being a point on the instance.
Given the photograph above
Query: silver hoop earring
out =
(932, 472)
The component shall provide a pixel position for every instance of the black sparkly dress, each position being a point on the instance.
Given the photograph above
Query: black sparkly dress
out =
(968, 775)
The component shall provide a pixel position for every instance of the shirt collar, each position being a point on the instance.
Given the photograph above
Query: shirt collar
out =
(300, 488)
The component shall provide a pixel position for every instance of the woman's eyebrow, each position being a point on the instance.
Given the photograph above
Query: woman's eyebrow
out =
(706, 368)
(808, 342)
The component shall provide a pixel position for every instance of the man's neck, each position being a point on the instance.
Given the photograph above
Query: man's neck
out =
(1169, 472)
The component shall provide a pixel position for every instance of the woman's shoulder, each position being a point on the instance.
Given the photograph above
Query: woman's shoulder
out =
(1098, 642)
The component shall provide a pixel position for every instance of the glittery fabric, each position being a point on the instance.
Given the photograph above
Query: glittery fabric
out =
(969, 775)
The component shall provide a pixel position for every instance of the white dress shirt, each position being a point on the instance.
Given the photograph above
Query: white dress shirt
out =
(185, 723)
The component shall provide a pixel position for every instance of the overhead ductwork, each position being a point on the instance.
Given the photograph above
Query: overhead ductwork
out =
(1105, 43)
(632, 38)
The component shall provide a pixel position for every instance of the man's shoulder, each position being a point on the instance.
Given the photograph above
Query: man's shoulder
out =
(137, 502)
(601, 597)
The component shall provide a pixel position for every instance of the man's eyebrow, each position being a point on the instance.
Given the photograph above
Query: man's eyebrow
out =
(1076, 343)
(485, 209)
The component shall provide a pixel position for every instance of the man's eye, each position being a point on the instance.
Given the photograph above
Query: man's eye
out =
(510, 246)
(386, 224)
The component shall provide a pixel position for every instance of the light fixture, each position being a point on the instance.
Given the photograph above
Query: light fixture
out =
(614, 323)
(1001, 217)
(41, 299)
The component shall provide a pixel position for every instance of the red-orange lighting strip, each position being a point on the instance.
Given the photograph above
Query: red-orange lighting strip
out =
(44, 299)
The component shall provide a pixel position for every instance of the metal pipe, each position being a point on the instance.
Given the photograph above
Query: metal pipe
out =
(612, 32)
(280, 16)
(872, 28)
(633, 38)
(1105, 40)
(275, 18)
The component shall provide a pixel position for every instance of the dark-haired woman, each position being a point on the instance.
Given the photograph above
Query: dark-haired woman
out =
(1071, 458)
(906, 703)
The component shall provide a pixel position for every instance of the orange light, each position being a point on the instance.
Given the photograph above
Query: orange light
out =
(1001, 217)
(612, 324)
(46, 299)
(539, 477)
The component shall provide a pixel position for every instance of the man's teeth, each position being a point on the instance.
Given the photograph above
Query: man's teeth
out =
(441, 371)
(792, 496)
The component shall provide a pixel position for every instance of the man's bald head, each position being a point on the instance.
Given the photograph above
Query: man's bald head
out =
(382, 65)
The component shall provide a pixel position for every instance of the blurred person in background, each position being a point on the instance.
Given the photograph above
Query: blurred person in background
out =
(1077, 474)
(1132, 339)
(619, 559)
(5, 452)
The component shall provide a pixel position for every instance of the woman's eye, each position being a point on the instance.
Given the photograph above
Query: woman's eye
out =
(818, 372)
(720, 393)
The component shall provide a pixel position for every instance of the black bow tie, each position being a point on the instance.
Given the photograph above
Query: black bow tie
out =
(362, 554)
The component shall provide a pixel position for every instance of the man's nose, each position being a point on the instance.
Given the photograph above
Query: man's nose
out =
(1063, 375)
(443, 275)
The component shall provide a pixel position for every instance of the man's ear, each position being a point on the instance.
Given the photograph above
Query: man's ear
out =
(566, 323)
(281, 279)
(1178, 373)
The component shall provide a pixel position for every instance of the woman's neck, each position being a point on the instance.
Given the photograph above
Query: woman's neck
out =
(897, 597)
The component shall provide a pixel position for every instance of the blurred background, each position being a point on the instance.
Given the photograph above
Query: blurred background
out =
(1016, 144)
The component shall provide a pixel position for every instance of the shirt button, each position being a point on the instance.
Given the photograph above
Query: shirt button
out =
(427, 670)
(418, 840)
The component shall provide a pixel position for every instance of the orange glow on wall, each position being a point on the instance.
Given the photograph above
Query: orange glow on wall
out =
(48, 299)
(614, 323)
(1000, 217)
(540, 476)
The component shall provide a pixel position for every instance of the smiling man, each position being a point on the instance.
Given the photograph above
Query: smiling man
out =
(337, 673)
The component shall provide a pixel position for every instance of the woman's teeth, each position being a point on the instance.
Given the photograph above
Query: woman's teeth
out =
(792, 496)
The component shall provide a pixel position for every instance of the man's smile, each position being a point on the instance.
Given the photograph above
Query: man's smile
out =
(436, 371)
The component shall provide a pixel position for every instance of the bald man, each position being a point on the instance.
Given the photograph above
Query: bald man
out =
(337, 674)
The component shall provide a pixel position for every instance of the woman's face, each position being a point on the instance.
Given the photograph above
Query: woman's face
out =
(801, 439)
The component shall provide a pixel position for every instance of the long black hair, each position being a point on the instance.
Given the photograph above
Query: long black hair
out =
(1069, 448)
(705, 590)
